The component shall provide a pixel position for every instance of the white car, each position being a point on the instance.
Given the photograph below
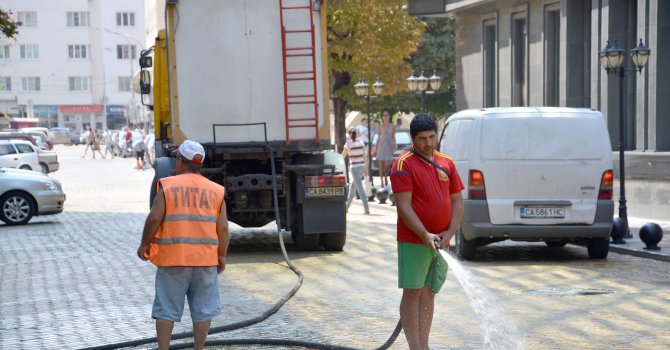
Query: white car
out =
(19, 154)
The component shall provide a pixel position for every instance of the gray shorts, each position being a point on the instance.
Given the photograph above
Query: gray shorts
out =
(198, 284)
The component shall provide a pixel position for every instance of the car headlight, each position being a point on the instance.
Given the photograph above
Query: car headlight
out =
(49, 186)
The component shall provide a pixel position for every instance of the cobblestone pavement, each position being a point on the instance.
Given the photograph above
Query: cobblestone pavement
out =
(72, 280)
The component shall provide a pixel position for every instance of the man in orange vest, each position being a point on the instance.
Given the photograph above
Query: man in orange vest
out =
(186, 236)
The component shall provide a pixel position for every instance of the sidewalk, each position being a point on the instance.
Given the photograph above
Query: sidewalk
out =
(633, 246)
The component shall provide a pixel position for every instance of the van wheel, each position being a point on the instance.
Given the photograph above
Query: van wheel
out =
(598, 248)
(465, 250)
(45, 168)
(556, 244)
(334, 241)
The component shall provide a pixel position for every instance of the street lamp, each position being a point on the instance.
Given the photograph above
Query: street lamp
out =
(612, 59)
(363, 90)
(420, 85)
(131, 105)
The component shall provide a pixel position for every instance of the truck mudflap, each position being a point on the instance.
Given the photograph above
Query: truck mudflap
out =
(323, 200)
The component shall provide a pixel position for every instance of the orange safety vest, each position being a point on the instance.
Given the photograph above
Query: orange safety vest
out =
(187, 236)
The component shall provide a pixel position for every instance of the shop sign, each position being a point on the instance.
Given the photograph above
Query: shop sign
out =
(117, 109)
(81, 108)
(42, 110)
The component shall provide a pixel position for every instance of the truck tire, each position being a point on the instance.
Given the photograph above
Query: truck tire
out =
(164, 168)
(598, 248)
(465, 250)
(302, 241)
(334, 241)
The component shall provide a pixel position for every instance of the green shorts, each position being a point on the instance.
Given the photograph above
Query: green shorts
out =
(413, 264)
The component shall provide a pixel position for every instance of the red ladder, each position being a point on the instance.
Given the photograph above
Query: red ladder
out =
(301, 107)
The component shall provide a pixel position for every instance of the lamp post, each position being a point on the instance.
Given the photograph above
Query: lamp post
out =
(420, 85)
(362, 90)
(612, 59)
(131, 105)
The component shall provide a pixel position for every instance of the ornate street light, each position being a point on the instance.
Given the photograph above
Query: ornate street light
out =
(612, 59)
(420, 85)
(362, 89)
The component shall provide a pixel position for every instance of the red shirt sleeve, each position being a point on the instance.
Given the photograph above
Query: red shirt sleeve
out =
(401, 175)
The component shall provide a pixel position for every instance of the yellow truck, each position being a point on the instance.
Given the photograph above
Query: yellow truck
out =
(248, 80)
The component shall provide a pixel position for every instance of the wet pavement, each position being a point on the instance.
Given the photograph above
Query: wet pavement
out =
(72, 280)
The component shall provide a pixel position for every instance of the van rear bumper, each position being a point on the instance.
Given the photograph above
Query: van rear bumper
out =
(476, 223)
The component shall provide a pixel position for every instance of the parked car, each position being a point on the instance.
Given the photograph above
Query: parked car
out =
(24, 194)
(43, 133)
(532, 174)
(19, 154)
(403, 141)
(61, 136)
(17, 135)
(48, 161)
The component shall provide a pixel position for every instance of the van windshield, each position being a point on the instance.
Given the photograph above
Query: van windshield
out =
(554, 137)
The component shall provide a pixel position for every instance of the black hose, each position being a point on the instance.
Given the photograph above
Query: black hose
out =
(260, 318)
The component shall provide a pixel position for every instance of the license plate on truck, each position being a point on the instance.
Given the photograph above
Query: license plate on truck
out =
(324, 191)
(542, 213)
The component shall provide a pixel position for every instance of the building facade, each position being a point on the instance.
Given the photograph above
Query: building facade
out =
(73, 62)
(545, 53)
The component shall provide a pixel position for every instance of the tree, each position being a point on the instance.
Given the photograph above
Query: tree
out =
(436, 52)
(368, 39)
(8, 27)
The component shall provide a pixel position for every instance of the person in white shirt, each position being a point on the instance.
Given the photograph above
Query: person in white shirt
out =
(355, 150)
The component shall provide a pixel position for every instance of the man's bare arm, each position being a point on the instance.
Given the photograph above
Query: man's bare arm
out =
(222, 233)
(154, 219)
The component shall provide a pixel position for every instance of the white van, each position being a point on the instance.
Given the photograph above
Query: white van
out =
(532, 174)
(19, 154)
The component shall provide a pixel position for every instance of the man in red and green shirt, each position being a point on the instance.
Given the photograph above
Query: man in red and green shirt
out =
(427, 189)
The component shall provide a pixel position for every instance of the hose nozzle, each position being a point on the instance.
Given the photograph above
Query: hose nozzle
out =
(437, 245)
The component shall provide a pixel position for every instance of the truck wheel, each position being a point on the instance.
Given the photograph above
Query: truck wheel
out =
(302, 241)
(598, 248)
(16, 208)
(334, 241)
(465, 250)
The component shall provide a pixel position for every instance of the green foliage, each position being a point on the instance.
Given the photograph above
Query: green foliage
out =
(436, 52)
(8, 27)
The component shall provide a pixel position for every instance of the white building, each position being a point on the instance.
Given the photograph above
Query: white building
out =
(72, 63)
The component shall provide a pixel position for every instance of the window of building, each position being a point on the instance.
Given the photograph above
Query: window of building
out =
(126, 52)
(125, 19)
(28, 19)
(77, 19)
(490, 60)
(4, 52)
(5, 84)
(552, 39)
(29, 51)
(30, 84)
(124, 84)
(519, 59)
(79, 83)
(78, 51)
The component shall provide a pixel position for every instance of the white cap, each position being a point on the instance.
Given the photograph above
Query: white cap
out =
(192, 151)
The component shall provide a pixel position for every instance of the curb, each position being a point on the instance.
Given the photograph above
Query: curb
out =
(639, 253)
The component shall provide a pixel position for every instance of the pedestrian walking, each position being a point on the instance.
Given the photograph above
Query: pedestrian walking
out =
(138, 149)
(186, 236)
(355, 150)
(427, 190)
(109, 143)
(88, 138)
(385, 147)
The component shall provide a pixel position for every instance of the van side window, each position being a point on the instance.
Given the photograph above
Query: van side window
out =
(455, 139)
(23, 148)
(7, 149)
